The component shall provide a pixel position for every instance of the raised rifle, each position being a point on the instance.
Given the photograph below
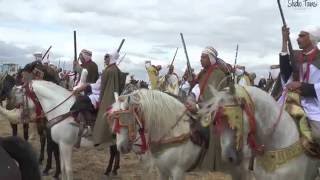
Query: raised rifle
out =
(46, 53)
(121, 59)
(120, 46)
(187, 57)
(235, 63)
(295, 69)
(75, 49)
(174, 57)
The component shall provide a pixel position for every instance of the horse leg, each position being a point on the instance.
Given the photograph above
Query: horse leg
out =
(57, 158)
(163, 175)
(66, 157)
(116, 163)
(49, 159)
(42, 134)
(26, 131)
(113, 149)
(49, 151)
(178, 174)
(62, 165)
(14, 129)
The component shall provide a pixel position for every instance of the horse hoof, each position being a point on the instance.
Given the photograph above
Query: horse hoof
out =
(40, 161)
(56, 176)
(45, 173)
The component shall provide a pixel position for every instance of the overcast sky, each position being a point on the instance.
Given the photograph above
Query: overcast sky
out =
(151, 29)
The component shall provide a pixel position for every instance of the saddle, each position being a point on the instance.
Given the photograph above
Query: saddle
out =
(83, 107)
(293, 107)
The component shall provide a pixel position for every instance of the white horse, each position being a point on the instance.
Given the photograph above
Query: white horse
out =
(158, 116)
(167, 127)
(272, 135)
(64, 133)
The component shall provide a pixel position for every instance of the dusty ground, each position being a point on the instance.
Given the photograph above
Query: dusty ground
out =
(90, 163)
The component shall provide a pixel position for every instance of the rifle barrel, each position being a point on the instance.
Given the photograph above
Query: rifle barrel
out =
(186, 53)
(295, 71)
(120, 46)
(45, 54)
(75, 48)
(174, 57)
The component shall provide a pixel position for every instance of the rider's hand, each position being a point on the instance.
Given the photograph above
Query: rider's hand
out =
(75, 91)
(294, 86)
(285, 33)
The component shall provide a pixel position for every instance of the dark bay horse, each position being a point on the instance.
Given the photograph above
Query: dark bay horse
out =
(29, 72)
(12, 150)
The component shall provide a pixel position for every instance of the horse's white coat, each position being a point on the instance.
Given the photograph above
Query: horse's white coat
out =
(160, 112)
(266, 113)
(64, 133)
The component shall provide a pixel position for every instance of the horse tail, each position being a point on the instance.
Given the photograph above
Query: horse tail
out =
(24, 154)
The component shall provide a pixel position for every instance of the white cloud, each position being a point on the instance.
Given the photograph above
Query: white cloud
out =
(151, 28)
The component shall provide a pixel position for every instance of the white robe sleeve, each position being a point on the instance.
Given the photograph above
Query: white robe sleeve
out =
(83, 79)
(196, 91)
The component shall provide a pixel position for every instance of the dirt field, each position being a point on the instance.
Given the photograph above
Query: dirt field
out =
(90, 163)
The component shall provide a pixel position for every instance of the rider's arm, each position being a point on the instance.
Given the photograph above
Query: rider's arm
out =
(285, 67)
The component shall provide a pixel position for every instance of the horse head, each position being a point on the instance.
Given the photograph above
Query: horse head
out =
(6, 85)
(227, 129)
(149, 111)
(121, 120)
(15, 97)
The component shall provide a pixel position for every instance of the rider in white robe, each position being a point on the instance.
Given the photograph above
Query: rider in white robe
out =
(308, 84)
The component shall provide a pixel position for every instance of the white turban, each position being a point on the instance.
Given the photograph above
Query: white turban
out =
(314, 34)
(86, 54)
(37, 56)
(212, 53)
(114, 57)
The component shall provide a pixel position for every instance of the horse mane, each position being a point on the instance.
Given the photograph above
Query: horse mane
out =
(161, 111)
(267, 112)
(52, 86)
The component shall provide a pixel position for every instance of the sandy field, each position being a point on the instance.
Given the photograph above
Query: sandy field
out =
(89, 163)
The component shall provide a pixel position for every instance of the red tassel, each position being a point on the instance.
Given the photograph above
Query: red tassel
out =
(117, 126)
(143, 141)
(218, 121)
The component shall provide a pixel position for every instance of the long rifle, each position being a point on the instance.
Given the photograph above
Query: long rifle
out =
(235, 63)
(120, 46)
(186, 53)
(174, 57)
(45, 54)
(121, 59)
(75, 49)
(295, 70)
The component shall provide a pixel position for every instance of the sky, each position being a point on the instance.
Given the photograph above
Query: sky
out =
(151, 29)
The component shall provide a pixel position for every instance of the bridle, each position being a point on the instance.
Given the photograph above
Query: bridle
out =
(133, 125)
(27, 93)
